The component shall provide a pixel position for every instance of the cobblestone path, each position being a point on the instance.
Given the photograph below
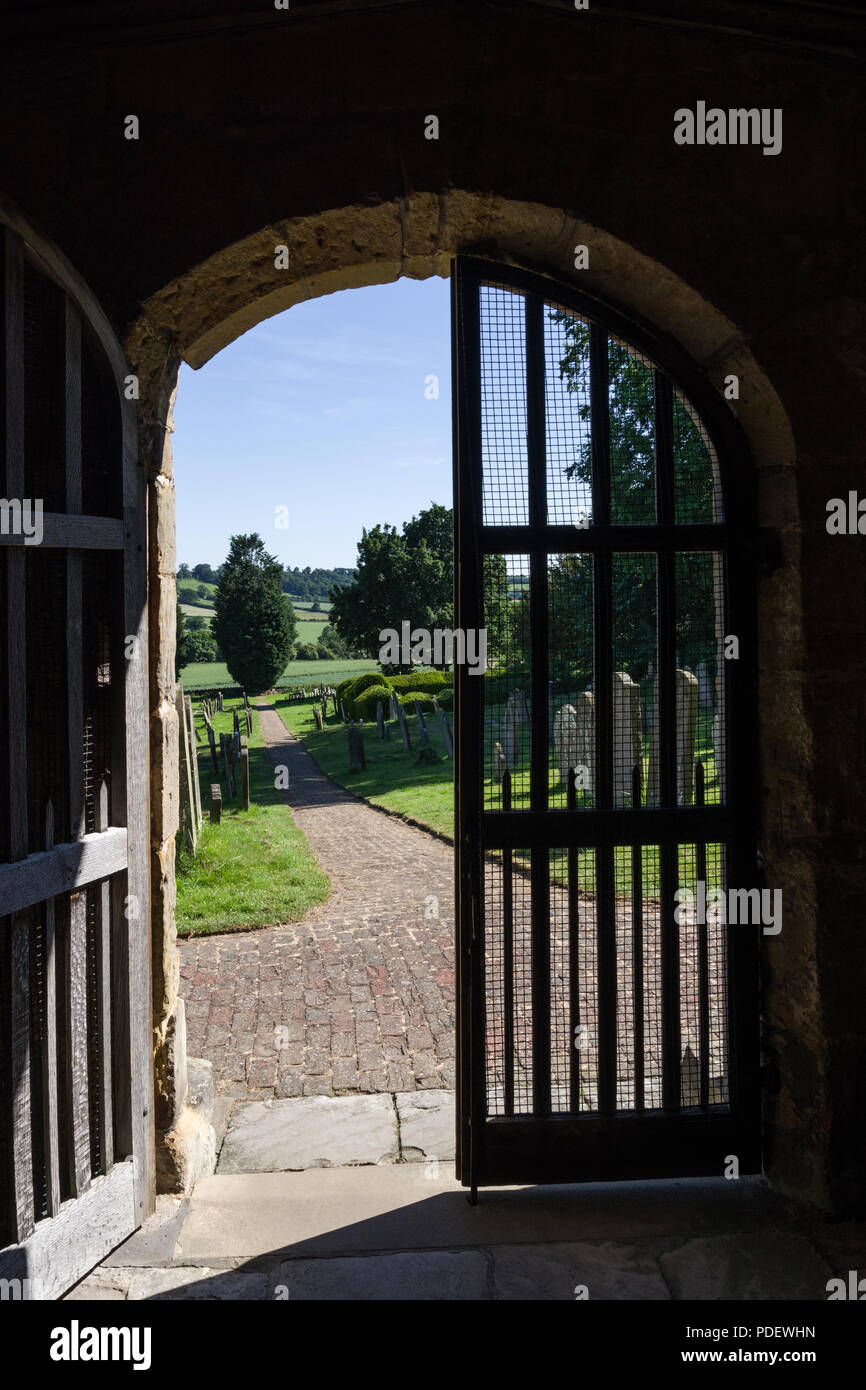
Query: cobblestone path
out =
(357, 997)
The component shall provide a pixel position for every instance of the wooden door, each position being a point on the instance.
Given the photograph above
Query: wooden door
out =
(76, 1162)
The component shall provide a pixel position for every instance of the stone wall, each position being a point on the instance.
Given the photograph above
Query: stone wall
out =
(307, 128)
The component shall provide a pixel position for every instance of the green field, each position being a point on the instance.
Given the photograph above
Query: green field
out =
(310, 625)
(213, 675)
(187, 593)
(255, 868)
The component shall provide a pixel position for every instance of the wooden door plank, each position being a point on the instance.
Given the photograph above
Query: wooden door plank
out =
(76, 1049)
(103, 995)
(65, 868)
(49, 1048)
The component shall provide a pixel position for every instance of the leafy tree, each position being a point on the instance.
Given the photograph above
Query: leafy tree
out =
(632, 479)
(204, 574)
(253, 624)
(184, 572)
(181, 658)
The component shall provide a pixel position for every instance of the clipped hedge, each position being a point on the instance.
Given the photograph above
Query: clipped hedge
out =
(357, 688)
(364, 705)
(428, 682)
(424, 699)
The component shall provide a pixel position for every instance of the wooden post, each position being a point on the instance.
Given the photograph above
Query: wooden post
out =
(187, 796)
(193, 752)
(216, 802)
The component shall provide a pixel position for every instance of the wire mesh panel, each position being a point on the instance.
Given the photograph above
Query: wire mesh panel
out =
(597, 783)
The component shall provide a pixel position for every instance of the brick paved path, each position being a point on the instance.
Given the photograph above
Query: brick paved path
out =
(357, 997)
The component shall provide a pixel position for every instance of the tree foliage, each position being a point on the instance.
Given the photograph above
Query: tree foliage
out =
(253, 624)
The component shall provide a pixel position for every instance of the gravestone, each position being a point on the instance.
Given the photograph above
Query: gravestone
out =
(565, 739)
(357, 758)
(317, 715)
(343, 714)
(511, 736)
(211, 737)
(334, 702)
(445, 728)
(419, 714)
(404, 727)
(216, 802)
(395, 705)
(425, 736)
(500, 766)
(626, 736)
(584, 740)
(517, 700)
(380, 719)
(686, 685)
(705, 686)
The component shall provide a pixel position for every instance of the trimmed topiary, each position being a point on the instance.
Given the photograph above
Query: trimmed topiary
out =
(357, 688)
(364, 705)
(424, 700)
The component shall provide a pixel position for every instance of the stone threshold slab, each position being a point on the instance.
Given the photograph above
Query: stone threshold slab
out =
(341, 1211)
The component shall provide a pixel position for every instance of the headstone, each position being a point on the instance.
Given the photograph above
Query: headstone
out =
(380, 719)
(584, 740)
(444, 727)
(357, 759)
(626, 736)
(334, 701)
(317, 715)
(425, 736)
(686, 686)
(565, 740)
(419, 714)
(705, 686)
(216, 802)
(517, 700)
(404, 727)
(343, 713)
(395, 705)
(211, 737)
(500, 765)
(511, 736)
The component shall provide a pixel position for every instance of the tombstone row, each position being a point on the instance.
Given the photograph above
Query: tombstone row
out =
(574, 737)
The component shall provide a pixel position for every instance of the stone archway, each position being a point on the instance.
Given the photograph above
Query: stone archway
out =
(214, 302)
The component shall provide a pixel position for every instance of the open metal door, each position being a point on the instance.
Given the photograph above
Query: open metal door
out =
(605, 762)
(76, 1113)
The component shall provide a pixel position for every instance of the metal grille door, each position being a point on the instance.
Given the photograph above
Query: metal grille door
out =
(605, 759)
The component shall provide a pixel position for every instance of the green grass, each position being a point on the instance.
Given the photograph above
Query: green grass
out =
(194, 611)
(255, 868)
(310, 625)
(187, 592)
(214, 674)
(394, 778)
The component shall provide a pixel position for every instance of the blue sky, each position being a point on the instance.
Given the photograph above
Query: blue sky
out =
(323, 410)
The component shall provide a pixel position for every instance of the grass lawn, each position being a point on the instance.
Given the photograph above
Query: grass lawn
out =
(213, 675)
(255, 868)
(394, 778)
